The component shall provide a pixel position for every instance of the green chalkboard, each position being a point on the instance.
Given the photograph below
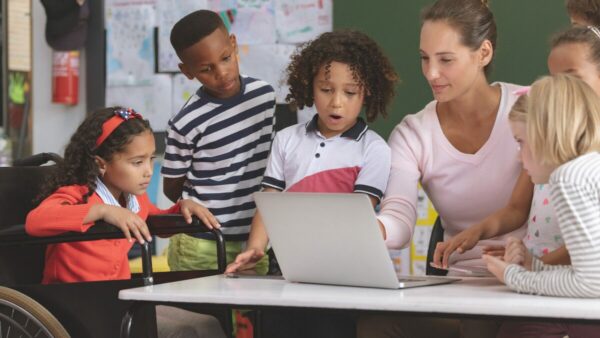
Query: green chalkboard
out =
(524, 30)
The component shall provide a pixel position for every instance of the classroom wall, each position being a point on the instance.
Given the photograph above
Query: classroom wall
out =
(52, 124)
(524, 28)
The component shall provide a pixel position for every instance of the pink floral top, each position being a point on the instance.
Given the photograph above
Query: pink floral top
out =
(543, 235)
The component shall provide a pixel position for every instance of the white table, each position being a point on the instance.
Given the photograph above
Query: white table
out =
(470, 296)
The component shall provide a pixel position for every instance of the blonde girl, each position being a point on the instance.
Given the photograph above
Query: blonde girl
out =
(559, 143)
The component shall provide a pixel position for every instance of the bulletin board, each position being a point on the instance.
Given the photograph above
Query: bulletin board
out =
(142, 68)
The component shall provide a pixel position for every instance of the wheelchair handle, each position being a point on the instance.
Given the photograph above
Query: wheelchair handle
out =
(37, 160)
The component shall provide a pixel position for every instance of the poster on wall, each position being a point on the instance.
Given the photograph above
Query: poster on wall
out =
(19, 35)
(140, 72)
(183, 89)
(221, 5)
(129, 44)
(252, 63)
(168, 12)
(153, 101)
(298, 21)
(254, 22)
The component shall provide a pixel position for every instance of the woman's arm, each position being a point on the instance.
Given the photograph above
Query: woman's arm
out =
(503, 221)
(398, 213)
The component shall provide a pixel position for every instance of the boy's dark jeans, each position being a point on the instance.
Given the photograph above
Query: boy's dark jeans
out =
(301, 323)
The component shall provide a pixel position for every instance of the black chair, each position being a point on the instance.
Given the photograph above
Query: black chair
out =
(437, 235)
(88, 309)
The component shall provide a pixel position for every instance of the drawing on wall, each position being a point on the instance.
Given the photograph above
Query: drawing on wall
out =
(299, 21)
(168, 12)
(254, 22)
(130, 44)
(153, 101)
(268, 63)
(267, 32)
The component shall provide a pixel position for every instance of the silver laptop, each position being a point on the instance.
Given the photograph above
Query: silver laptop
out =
(329, 238)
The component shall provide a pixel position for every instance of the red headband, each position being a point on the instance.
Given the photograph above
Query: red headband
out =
(121, 115)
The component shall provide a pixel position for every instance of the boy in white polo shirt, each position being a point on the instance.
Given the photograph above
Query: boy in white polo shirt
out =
(340, 73)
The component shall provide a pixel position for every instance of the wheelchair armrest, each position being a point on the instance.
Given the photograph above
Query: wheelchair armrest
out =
(16, 235)
(175, 224)
(158, 225)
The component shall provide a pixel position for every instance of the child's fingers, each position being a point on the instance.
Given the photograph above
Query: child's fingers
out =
(209, 220)
(517, 249)
(512, 257)
(250, 256)
(489, 262)
(519, 259)
(508, 257)
(137, 234)
(244, 257)
(135, 228)
(511, 248)
(187, 215)
(144, 230)
(233, 267)
(259, 254)
(512, 239)
(213, 220)
(205, 220)
(241, 260)
(495, 266)
(125, 230)
(512, 242)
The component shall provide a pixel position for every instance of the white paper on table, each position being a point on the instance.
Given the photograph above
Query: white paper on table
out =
(168, 12)
(267, 63)
(129, 44)
(183, 89)
(154, 102)
(298, 21)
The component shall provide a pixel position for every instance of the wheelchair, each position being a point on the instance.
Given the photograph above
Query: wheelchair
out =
(86, 309)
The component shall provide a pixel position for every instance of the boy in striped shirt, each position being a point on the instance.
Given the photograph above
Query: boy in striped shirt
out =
(218, 144)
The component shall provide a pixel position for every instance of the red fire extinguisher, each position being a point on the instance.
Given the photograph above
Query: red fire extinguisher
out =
(65, 77)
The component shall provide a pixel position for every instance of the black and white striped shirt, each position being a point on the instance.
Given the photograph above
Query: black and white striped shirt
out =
(575, 188)
(221, 146)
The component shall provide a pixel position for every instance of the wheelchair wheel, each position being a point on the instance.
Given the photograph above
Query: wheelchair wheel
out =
(21, 316)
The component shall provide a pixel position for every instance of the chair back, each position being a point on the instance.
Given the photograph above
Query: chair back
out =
(437, 235)
(19, 187)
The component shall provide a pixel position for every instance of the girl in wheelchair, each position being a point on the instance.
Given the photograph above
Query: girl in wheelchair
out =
(106, 170)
